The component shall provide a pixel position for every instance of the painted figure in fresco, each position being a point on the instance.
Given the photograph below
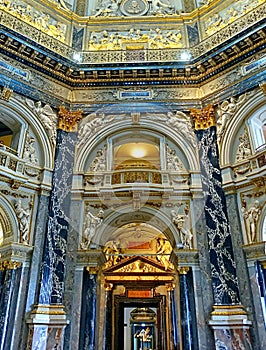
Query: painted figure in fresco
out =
(23, 215)
(251, 217)
(91, 224)
(185, 234)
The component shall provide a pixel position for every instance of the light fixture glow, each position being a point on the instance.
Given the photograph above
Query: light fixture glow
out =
(77, 56)
(138, 152)
(185, 56)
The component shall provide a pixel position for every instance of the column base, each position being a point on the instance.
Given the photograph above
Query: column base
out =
(231, 327)
(46, 327)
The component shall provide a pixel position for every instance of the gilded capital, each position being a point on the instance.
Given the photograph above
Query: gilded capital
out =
(108, 287)
(203, 118)
(68, 120)
(183, 270)
(9, 265)
(93, 270)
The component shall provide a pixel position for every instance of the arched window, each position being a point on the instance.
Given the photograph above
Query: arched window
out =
(1, 234)
(257, 127)
(10, 131)
(264, 230)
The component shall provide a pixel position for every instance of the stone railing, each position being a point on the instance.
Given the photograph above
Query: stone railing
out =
(16, 168)
(131, 177)
(254, 163)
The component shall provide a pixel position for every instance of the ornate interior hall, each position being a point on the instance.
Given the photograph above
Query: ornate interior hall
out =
(132, 175)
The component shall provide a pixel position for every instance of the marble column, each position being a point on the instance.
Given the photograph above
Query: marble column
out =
(48, 318)
(173, 319)
(107, 341)
(261, 273)
(10, 275)
(185, 310)
(228, 319)
(88, 310)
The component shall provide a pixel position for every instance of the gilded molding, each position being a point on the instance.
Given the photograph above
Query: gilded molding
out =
(263, 88)
(228, 310)
(93, 270)
(6, 94)
(68, 120)
(203, 118)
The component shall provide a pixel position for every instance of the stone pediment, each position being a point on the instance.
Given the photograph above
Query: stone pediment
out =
(139, 265)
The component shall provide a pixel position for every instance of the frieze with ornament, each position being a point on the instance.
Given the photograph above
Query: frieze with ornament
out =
(135, 39)
(134, 8)
(40, 20)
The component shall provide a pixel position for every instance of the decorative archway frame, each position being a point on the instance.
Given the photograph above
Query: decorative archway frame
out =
(243, 113)
(18, 110)
(9, 222)
(125, 121)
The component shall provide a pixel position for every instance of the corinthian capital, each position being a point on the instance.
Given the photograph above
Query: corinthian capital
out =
(68, 120)
(203, 118)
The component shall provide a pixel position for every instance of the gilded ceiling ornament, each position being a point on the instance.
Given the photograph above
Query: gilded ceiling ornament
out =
(68, 120)
(203, 118)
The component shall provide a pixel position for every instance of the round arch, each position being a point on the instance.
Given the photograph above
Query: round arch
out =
(154, 217)
(145, 123)
(262, 225)
(234, 125)
(8, 222)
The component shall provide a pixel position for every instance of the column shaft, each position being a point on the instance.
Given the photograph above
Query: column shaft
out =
(9, 282)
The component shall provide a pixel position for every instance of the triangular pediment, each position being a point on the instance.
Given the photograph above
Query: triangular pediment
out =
(139, 265)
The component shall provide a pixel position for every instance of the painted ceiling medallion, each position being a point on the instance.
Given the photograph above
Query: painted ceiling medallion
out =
(134, 7)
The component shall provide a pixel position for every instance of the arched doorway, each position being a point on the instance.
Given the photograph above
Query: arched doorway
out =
(141, 274)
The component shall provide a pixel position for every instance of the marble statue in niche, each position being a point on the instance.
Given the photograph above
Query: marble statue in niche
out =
(23, 215)
(181, 223)
(91, 224)
(173, 162)
(29, 151)
(244, 148)
(251, 216)
(99, 162)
